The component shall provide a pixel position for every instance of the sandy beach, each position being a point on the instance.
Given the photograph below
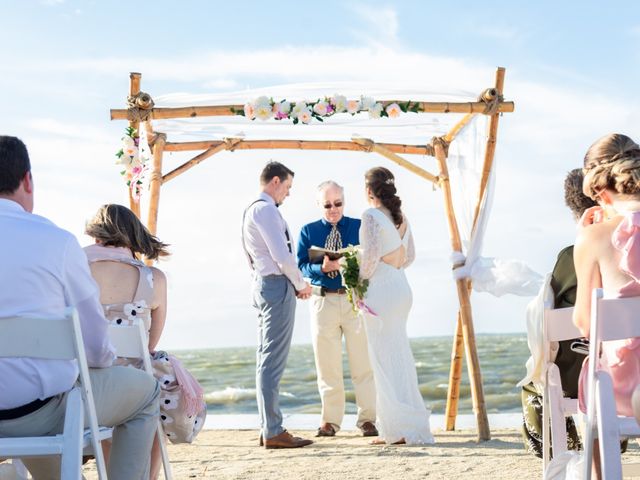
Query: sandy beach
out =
(234, 454)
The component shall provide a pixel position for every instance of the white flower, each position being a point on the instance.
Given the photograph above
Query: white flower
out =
(298, 108)
(264, 111)
(305, 116)
(131, 152)
(353, 106)
(321, 108)
(367, 103)
(339, 103)
(127, 141)
(393, 110)
(375, 110)
(282, 107)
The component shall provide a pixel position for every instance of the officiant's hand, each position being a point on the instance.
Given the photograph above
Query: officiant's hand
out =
(305, 293)
(329, 265)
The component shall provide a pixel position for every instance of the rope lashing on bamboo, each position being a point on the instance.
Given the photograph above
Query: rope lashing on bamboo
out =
(231, 143)
(139, 107)
(442, 141)
(492, 100)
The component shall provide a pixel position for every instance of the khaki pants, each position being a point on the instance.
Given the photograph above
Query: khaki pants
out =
(332, 317)
(126, 399)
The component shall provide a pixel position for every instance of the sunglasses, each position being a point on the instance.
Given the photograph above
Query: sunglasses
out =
(337, 204)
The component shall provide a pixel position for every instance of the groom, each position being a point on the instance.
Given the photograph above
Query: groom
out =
(332, 317)
(277, 283)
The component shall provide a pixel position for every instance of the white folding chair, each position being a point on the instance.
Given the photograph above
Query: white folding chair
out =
(55, 339)
(557, 326)
(129, 342)
(611, 319)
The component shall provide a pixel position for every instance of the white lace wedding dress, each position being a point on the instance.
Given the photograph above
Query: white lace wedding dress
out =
(401, 413)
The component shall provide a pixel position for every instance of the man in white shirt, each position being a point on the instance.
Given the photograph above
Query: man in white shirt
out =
(277, 281)
(44, 270)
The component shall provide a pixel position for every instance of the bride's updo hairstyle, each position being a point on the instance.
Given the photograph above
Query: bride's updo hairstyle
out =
(117, 226)
(383, 186)
(612, 162)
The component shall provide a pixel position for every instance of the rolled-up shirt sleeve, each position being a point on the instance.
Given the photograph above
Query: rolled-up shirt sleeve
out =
(267, 221)
(82, 292)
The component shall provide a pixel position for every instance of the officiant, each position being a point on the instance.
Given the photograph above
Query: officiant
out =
(332, 316)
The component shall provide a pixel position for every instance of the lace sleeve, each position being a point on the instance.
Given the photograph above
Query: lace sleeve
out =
(370, 244)
(411, 250)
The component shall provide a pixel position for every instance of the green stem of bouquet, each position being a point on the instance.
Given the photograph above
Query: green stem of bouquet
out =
(356, 288)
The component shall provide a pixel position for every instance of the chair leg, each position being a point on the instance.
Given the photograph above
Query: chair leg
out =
(71, 463)
(608, 433)
(162, 443)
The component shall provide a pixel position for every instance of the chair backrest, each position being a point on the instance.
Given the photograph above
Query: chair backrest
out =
(129, 342)
(55, 339)
(558, 325)
(43, 338)
(615, 318)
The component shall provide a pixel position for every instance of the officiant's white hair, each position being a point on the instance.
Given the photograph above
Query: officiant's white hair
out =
(329, 184)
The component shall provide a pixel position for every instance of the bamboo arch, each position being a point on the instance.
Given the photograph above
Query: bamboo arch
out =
(490, 102)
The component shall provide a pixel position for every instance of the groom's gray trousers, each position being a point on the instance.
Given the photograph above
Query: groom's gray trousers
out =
(275, 299)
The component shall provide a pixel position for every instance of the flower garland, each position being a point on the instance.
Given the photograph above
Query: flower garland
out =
(264, 108)
(356, 288)
(134, 160)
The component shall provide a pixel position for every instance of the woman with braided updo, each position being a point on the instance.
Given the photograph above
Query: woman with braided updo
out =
(387, 249)
(607, 251)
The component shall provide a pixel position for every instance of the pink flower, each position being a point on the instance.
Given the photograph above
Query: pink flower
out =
(320, 108)
(353, 106)
(304, 116)
(249, 111)
(393, 110)
(136, 170)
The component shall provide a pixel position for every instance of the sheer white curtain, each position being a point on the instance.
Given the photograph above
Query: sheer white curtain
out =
(493, 275)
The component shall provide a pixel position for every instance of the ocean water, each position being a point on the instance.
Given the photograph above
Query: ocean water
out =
(228, 376)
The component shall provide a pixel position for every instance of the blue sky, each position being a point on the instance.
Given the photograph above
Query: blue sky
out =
(572, 69)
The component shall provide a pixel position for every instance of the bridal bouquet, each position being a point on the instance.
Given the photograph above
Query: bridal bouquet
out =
(356, 288)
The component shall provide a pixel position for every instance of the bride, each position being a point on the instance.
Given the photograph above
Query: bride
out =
(387, 249)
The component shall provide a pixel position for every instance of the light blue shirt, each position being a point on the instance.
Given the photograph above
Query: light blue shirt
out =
(265, 238)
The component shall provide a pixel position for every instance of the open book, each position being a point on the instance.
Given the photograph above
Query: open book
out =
(316, 254)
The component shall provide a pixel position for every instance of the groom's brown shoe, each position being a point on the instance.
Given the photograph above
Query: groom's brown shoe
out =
(368, 429)
(286, 440)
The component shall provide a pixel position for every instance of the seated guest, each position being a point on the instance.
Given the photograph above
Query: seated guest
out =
(607, 256)
(131, 290)
(44, 270)
(563, 288)
(607, 253)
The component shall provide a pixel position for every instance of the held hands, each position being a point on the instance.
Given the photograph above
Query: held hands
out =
(329, 265)
(305, 293)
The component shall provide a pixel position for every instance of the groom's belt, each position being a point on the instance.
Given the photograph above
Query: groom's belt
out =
(322, 291)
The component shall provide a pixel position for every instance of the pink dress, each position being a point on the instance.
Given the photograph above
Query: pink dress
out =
(621, 358)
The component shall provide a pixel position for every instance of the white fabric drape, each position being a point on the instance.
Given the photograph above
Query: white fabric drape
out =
(492, 275)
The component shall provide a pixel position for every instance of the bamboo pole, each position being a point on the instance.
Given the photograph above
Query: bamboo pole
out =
(230, 144)
(451, 134)
(298, 145)
(491, 145)
(134, 89)
(455, 377)
(155, 182)
(230, 110)
(394, 157)
(456, 354)
(473, 364)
